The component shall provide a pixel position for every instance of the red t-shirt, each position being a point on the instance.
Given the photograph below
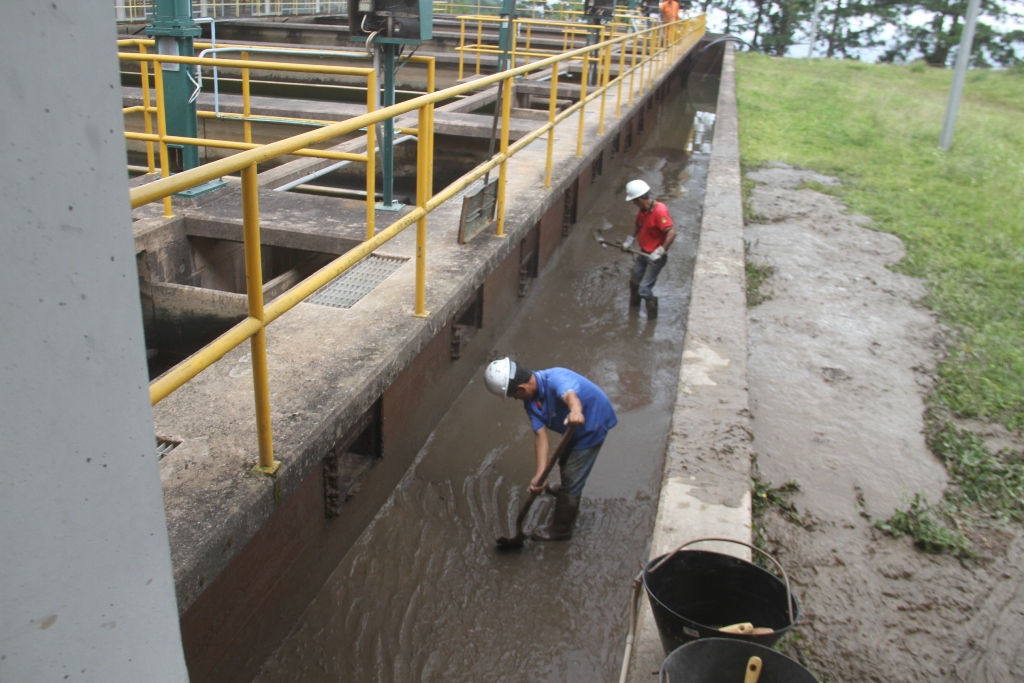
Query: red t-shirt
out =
(669, 11)
(653, 226)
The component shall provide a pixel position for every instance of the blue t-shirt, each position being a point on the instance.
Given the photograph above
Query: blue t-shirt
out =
(548, 409)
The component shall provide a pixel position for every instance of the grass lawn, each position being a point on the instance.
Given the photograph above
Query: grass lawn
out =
(960, 213)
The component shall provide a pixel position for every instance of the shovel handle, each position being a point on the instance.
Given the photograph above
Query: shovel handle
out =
(563, 446)
(753, 670)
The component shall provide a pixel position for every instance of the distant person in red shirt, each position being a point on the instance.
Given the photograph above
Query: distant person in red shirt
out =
(669, 13)
(654, 233)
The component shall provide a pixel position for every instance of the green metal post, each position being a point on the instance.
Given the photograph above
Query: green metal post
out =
(174, 31)
(508, 15)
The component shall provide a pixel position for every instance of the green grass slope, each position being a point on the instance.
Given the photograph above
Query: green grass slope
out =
(960, 213)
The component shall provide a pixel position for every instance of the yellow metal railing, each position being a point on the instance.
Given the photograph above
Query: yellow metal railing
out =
(536, 10)
(245, 65)
(572, 32)
(649, 58)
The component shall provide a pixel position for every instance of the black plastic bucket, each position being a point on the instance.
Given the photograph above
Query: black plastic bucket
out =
(724, 660)
(693, 593)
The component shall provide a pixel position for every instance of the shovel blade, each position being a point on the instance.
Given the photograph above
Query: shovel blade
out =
(513, 543)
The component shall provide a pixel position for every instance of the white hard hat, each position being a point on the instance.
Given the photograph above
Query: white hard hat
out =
(635, 189)
(498, 374)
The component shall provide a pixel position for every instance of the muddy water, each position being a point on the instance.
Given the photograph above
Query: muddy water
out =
(424, 595)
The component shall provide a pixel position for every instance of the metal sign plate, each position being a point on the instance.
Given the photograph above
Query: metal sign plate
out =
(477, 210)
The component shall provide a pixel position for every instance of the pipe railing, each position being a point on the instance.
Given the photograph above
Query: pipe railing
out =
(260, 315)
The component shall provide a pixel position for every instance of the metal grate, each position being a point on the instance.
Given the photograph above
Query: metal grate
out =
(356, 282)
(165, 446)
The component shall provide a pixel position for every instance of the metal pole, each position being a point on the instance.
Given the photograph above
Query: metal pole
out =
(422, 196)
(508, 11)
(371, 156)
(506, 114)
(387, 148)
(963, 55)
(552, 111)
(814, 29)
(258, 342)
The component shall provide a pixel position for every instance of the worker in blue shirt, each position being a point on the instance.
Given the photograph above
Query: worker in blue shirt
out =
(554, 399)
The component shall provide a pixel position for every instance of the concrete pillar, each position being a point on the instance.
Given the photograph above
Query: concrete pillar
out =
(87, 592)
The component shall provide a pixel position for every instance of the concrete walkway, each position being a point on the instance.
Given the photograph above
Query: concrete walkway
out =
(705, 488)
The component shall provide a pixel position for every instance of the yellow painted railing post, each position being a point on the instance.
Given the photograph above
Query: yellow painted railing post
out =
(422, 196)
(606, 63)
(161, 130)
(620, 78)
(632, 71)
(583, 99)
(147, 121)
(642, 57)
(462, 44)
(663, 55)
(246, 110)
(258, 342)
(431, 84)
(506, 112)
(552, 109)
(371, 157)
(479, 43)
(651, 59)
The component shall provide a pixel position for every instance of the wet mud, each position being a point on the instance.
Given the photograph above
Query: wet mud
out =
(424, 595)
(842, 356)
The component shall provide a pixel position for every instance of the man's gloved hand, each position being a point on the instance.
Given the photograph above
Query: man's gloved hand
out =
(657, 253)
(628, 243)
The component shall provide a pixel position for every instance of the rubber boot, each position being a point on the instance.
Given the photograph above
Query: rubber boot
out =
(634, 295)
(652, 306)
(567, 508)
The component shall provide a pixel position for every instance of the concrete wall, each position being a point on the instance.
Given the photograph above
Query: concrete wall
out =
(88, 591)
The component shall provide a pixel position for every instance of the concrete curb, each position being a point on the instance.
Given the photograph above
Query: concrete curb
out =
(705, 489)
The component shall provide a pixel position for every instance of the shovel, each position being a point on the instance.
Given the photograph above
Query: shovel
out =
(506, 543)
(605, 243)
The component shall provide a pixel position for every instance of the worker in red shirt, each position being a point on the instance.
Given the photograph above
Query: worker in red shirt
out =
(654, 233)
(669, 11)
(669, 14)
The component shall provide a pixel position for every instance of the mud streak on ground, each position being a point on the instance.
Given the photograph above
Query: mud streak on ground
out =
(841, 359)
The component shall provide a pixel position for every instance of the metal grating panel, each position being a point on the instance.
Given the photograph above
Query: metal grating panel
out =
(356, 282)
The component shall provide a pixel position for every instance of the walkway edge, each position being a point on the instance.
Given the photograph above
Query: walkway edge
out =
(705, 489)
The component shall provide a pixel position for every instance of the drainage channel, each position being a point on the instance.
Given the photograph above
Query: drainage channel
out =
(424, 595)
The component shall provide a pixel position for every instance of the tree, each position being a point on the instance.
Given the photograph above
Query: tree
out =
(908, 29)
(937, 38)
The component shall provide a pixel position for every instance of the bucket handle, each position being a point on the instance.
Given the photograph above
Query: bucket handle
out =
(785, 577)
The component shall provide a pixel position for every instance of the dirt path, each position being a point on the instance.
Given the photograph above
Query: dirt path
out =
(841, 360)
